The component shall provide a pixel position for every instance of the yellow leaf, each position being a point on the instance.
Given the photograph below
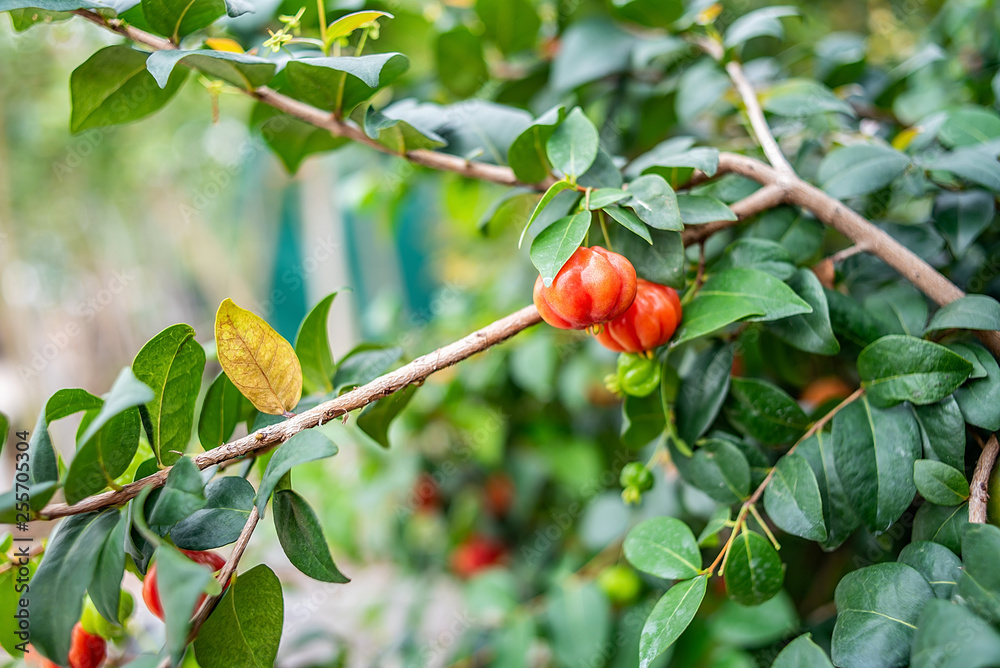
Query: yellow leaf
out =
(904, 138)
(261, 364)
(223, 44)
(345, 25)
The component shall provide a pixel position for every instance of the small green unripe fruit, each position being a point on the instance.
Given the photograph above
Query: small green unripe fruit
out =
(638, 376)
(620, 584)
(95, 624)
(636, 475)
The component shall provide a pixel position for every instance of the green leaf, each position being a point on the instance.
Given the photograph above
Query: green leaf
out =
(56, 593)
(341, 83)
(860, 169)
(754, 573)
(839, 517)
(306, 446)
(572, 146)
(734, 295)
(239, 69)
(718, 468)
(941, 524)
(602, 197)
(851, 321)
(347, 24)
(972, 164)
(363, 364)
(228, 501)
(962, 216)
(105, 588)
(643, 420)
(654, 201)
(301, 536)
(811, 332)
(104, 456)
(939, 566)
(799, 235)
(664, 547)
(802, 97)
(4, 429)
(172, 363)
(556, 244)
(660, 262)
(802, 652)
(659, 13)
(793, 500)
(702, 392)
(760, 254)
(978, 312)
(9, 605)
(979, 399)
(877, 612)
(950, 636)
(720, 519)
(127, 392)
(181, 583)
(510, 24)
(291, 140)
(874, 450)
(578, 62)
(942, 429)
(312, 347)
(113, 87)
(700, 87)
(221, 411)
(758, 23)
(177, 18)
(698, 209)
(579, 617)
(675, 161)
(671, 616)
(979, 586)
(461, 67)
(181, 496)
(939, 483)
(968, 126)
(398, 134)
(546, 199)
(765, 411)
(526, 154)
(904, 368)
(630, 222)
(376, 417)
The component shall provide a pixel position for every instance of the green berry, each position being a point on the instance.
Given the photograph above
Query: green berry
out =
(636, 475)
(620, 583)
(638, 376)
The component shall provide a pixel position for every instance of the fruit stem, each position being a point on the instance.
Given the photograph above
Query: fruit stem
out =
(604, 228)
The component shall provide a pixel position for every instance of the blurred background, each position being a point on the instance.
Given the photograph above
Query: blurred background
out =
(109, 236)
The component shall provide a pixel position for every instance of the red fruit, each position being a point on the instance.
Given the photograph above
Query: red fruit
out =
(649, 322)
(151, 592)
(86, 651)
(499, 491)
(594, 286)
(476, 554)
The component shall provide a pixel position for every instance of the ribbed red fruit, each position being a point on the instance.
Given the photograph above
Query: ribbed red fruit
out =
(594, 286)
(649, 322)
(151, 591)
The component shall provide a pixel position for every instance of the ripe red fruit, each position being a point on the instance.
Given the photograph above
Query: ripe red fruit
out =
(649, 322)
(86, 651)
(476, 554)
(499, 491)
(594, 286)
(151, 592)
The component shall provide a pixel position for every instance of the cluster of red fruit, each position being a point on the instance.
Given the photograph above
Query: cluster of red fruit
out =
(598, 289)
(89, 650)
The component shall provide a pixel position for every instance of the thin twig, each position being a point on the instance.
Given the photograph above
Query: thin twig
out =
(979, 487)
(842, 255)
(414, 372)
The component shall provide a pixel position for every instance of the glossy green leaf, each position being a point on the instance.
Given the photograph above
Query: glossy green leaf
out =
(720, 519)
(347, 24)
(839, 517)
(860, 169)
(851, 321)
(181, 496)
(104, 456)
(979, 586)
(675, 160)
(939, 565)
(979, 400)
(376, 417)
(526, 154)
(754, 572)
(968, 126)
(572, 146)
(660, 262)
(113, 87)
(758, 23)
(734, 295)
(802, 97)
(643, 420)
(579, 617)
(4, 429)
(306, 446)
(181, 583)
(703, 391)
(800, 235)
(962, 216)
(363, 364)
(877, 612)
(718, 468)
(698, 209)
(301, 536)
(793, 501)
(556, 244)
(56, 593)
(904, 368)
(312, 347)
(802, 653)
(950, 636)
(105, 588)
(980, 312)
(461, 66)
(972, 164)
(239, 69)
(398, 134)
(655, 202)
(943, 525)
(630, 222)
(221, 411)
(760, 254)
(765, 411)
(701, 86)
(228, 502)
(510, 24)
(942, 429)
(811, 332)
(874, 450)
(546, 199)
(664, 547)
(291, 140)
(671, 616)
(577, 62)
(341, 83)
(939, 483)
(177, 18)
